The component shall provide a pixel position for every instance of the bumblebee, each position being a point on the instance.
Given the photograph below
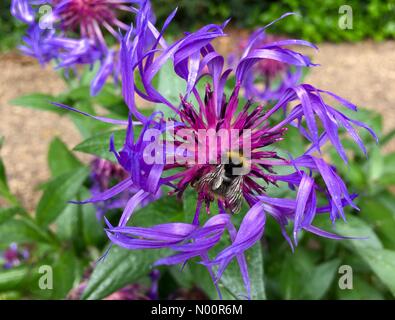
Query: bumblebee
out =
(226, 181)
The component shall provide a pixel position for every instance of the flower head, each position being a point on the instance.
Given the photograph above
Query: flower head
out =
(226, 171)
(223, 148)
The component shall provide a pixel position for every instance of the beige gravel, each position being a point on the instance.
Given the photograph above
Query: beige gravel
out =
(363, 73)
(28, 132)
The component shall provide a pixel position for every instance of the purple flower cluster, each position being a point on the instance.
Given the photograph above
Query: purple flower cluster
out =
(13, 256)
(144, 52)
(75, 32)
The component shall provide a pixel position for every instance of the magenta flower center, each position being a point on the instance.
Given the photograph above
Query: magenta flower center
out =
(233, 174)
(90, 16)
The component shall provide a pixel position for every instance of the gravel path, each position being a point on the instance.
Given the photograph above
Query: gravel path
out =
(28, 132)
(363, 73)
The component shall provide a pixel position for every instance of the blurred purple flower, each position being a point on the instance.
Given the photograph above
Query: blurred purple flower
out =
(74, 32)
(14, 256)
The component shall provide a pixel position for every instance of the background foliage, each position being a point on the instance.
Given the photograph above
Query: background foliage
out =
(373, 19)
(318, 21)
(11, 30)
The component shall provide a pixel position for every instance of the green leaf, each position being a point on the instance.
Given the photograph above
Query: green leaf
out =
(387, 138)
(170, 86)
(13, 278)
(98, 144)
(8, 213)
(376, 164)
(69, 226)
(60, 159)
(57, 193)
(382, 262)
(111, 99)
(79, 93)
(78, 224)
(11, 295)
(67, 272)
(193, 275)
(163, 210)
(92, 230)
(22, 230)
(89, 74)
(294, 273)
(3, 175)
(86, 125)
(388, 176)
(231, 283)
(380, 212)
(388, 180)
(5, 191)
(321, 278)
(118, 269)
(362, 290)
(38, 101)
(232, 280)
(356, 227)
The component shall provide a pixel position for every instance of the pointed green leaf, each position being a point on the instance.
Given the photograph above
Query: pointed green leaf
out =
(12, 279)
(22, 230)
(60, 159)
(38, 101)
(57, 193)
(321, 279)
(98, 145)
(8, 213)
(356, 227)
(233, 282)
(382, 262)
(5, 191)
(118, 269)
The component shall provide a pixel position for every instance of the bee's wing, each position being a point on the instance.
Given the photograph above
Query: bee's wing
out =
(218, 177)
(234, 194)
(212, 180)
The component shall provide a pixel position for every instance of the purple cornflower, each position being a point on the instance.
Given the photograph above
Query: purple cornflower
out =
(226, 178)
(74, 32)
(14, 256)
(269, 78)
(90, 17)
